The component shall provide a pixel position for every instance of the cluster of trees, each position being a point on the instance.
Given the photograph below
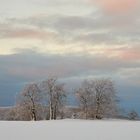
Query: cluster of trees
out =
(41, 101)
(47, 100)
(98, 99)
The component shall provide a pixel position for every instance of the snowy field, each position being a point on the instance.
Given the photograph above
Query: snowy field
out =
(70, 130)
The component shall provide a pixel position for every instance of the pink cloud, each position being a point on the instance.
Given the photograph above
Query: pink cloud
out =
(131, 54)
(125, 53)
(118, 6)
(9, 31)
(30, 33)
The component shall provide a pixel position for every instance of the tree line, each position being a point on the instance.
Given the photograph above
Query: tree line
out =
(47, 100)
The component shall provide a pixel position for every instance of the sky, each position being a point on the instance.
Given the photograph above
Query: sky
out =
(73, 40)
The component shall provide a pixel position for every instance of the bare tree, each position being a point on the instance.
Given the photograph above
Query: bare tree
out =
(97, 98)
(104, 98)
(55, 94)
(84, 95)
(29, 101)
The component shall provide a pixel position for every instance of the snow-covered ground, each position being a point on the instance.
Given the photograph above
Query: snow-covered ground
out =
(70, 130)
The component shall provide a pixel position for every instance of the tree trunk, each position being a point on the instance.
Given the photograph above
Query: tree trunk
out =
(50, 109)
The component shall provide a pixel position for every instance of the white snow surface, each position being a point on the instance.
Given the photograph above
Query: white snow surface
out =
(70, 130)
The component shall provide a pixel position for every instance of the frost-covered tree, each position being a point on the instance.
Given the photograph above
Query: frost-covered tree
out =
(104, 98)
(55, 96)
(29, 101)
(97, 98)
(85, 97)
